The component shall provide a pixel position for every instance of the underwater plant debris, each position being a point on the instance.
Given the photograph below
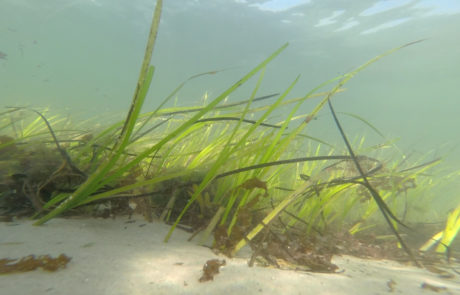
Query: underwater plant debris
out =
(433, 288)
(30, 176)
(255, 183)
(3, 55)
(210, 269)
(31, 262)
(294, 253)
(391, 285)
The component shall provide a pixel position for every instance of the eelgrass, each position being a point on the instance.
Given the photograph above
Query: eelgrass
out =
(95, 180)
(444, 238)
(302, 191)
(99, 177)
(246, 159)
(317, 211)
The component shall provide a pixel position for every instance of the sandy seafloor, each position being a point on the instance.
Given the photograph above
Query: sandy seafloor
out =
(115, 257)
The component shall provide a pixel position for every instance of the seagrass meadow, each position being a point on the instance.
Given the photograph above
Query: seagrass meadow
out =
(232, 176)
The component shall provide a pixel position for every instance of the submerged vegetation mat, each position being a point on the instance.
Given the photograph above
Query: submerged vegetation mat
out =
(293, 199)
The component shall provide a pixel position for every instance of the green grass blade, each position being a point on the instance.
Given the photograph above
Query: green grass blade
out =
(365, 122)
(193, 119)
(145, 76)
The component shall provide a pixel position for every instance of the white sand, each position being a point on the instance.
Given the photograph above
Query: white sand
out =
(115, 257)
